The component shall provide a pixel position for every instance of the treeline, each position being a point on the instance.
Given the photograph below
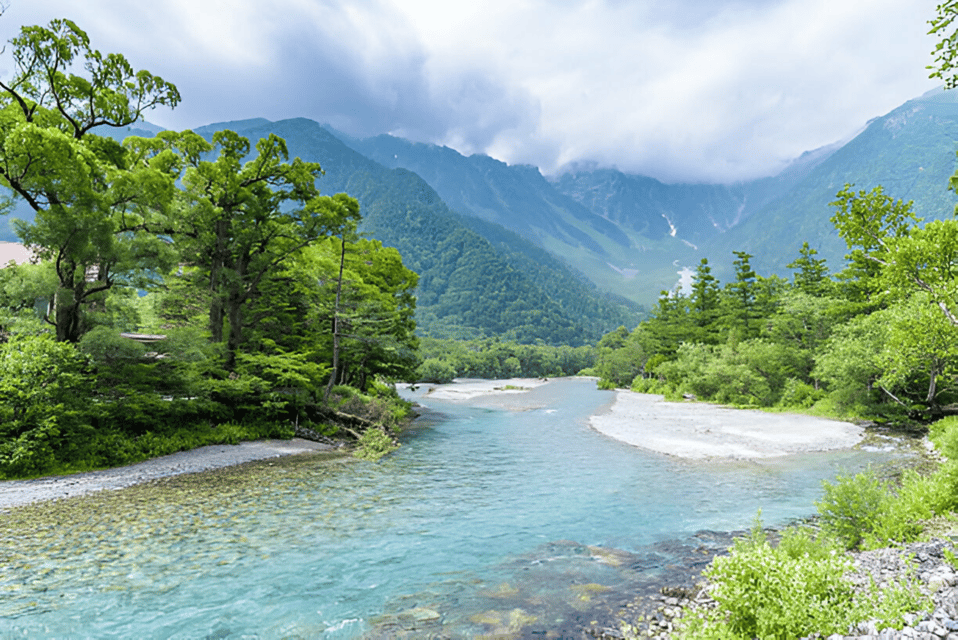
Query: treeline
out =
(444, 360)
(876, 339)
(257, 307)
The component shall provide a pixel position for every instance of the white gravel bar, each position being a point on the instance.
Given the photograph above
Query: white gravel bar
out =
(699, 430)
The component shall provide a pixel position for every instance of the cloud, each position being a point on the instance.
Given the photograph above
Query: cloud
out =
(729, 93)
(690, 90)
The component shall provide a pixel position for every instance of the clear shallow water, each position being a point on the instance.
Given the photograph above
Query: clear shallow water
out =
(504, 515)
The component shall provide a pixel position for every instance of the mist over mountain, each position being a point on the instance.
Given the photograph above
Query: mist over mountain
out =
(502, 250)
(632, 234)
(910, 152)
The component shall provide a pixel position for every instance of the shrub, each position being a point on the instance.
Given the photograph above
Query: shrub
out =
(374, 444)
(436, 371)
(944, 435)
(793, 590)
(866, 513)
(105, 345)
(43, 388)
(919, 498)
(796, 393)
(851, 508)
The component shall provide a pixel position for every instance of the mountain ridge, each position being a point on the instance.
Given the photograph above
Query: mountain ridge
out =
(595, 243)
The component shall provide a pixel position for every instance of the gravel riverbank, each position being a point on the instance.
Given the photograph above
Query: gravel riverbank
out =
(14, 493)
(702, 430)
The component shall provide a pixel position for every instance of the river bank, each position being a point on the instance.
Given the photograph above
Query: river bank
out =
(689, 430)
(924, 564)
(504, 510)
(15, 493)
(700, 430)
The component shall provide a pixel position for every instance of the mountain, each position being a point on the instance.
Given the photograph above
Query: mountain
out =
(469, 286)
(520, 199)
(634, 235)
(910, 152)
(630, 235)
(502, 250)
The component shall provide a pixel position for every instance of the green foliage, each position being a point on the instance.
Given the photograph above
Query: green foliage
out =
(467, 288)
(811, 274)
(94, 200)
(374, 444)
(375, 313)
(621, 358)
(750, 373)
(495, 359)
(850, 509)
(245, 219)
(43, 387)
(863, 512)
(798, 394)
(946, 49)
(436, 371)
(793, 590)
(105, 345)
(784, 592)
(944, 435)
(215, 233)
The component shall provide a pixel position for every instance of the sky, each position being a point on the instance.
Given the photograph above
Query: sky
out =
(679, 90)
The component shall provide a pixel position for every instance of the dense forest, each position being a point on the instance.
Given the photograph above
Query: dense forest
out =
(476, 279)
(875, 339)
(258, 308)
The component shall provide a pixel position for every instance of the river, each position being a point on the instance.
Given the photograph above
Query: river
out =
(500, 515)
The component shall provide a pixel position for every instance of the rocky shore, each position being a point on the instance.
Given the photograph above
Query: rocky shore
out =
(926, 562)
(14, 493)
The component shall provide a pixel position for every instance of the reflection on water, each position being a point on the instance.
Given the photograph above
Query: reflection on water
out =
(515, 520)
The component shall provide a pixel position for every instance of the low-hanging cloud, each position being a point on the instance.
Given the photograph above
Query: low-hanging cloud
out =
(697, 90)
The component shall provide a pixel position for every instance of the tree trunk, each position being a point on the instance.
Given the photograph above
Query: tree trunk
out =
(235, 337)
(217, 264)
(932, 386)
(66, 311)
(339, 290)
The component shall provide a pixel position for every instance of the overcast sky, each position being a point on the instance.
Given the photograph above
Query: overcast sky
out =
(681, 90)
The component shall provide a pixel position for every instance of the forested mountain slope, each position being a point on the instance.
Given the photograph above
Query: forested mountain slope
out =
(467, 287)
(586, 240)
(630, 235)
(519, 198)
(910, 152)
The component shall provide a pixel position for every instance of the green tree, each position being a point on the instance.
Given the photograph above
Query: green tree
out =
(704, 303)
(621, 358)
(43, 386)
(896, 254)
(946, 49)
(667, 327)
(243, 221)
(848, 363)
(375, 312)
(739, 298)
(90, 195)
(811, 274)
(921, 351)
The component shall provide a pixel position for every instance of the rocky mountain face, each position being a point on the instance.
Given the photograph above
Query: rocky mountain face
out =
(503, 250)
(631, 234)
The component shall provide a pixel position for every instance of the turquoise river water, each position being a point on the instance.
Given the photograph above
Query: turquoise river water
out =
(504, 517)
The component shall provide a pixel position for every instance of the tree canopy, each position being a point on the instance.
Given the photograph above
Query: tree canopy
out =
(189, 281)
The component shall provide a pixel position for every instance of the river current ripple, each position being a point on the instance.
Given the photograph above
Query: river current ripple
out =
(501, 515)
